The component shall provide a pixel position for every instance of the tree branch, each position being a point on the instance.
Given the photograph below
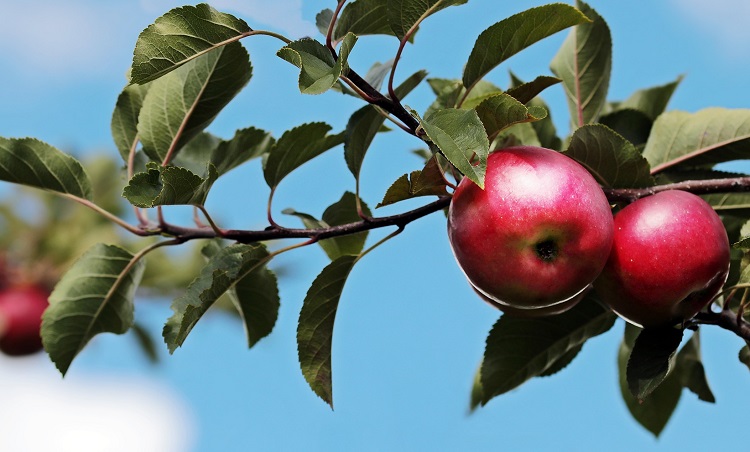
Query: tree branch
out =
(277, 232)
(727, 319)
(367, 91)
(376, 98)
(698, 187)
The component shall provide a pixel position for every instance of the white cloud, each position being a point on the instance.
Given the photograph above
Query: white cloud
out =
(282, 15)
(53, 37)
(42, 412)
(726, 20)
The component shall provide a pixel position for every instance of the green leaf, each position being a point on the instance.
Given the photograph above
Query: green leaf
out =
(584, 63)
(146, 342)
(502, 111)
(323, 20)
(363, 17)
(246, 144)
(544, 129)
(690, 369)
(562, 362)
(124, 122)
(296, 147)
(179, 36)
(651, 101)
(477, 394)
(426, 182)
(28, 161)
(509, 36)
(525, 92)
(744, 355)
(94, 296)
(652, 359)
(361, 129)
(743, 242)
(609, 157)
(181, 104)
(171, 185)
(316, 321)
(378, 71)
(451, 92)
(366, 122)
(633, 125)
(728, 202)
(224, 270)
(319, 71)
(709, 136)
(654, 412)
(255, 296)
(196, 154)
(447, 92)
(403, 15)
(518, 134)
(461, 137)
(521, 348)
(197, 167)
(341, 212)
(225, 155)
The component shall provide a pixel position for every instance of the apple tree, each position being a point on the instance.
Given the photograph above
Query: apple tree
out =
(190, 63)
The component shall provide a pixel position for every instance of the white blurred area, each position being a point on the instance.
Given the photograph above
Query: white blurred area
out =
(724, 20)
(42, 412)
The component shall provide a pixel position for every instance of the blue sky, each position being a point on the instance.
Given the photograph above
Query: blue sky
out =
(409, 331)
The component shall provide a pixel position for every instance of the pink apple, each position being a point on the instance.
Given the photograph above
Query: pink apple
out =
(21, 309)
(670, 258)
(537, 235)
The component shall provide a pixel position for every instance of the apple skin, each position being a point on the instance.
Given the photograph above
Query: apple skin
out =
(537, 235)
(555, 309)
(669, 259)
(21, 309)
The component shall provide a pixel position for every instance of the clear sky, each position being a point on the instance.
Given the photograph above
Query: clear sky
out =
(409, 331)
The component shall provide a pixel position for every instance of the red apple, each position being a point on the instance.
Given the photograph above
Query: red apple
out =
(21, 309)
(670, 258)
(537, 235)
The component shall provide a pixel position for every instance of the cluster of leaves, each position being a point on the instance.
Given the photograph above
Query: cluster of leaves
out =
(189, 64)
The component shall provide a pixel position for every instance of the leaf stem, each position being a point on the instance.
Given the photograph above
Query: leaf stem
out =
(110, 216)
(331, 26)
(210, 220)
(265, 33)
(401, 46)
(380, 242)
(139, 213)
(357, 89)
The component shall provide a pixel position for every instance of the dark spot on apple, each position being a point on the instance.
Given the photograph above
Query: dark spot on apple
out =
(546, 250)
